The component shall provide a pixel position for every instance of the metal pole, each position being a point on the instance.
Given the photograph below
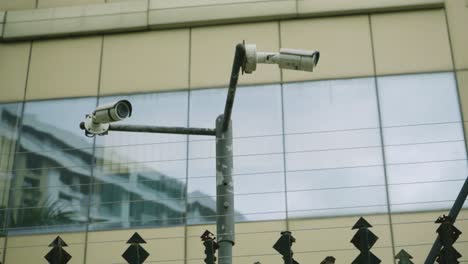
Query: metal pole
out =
(239, 59)
(457, 206)
(224, 191)
(164, 130)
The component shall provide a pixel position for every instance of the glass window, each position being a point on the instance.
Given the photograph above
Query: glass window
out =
(333, 148)
(140, 178)
(424, 143)
(52, 170)
(9, 117)
(258, 154)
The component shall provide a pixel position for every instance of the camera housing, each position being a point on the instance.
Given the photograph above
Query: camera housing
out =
(112, 112)
(292, 59)
(97, 123)
(301, 60)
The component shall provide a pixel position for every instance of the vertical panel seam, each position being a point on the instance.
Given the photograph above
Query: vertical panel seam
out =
(147, 13)
(93, 161)
(19, 125)
(457, 83)
(297, 8)
(188, 148)
(4, 23)
(382, 143)
(283, 135)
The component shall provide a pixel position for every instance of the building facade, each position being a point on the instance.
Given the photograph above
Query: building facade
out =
(377, 130)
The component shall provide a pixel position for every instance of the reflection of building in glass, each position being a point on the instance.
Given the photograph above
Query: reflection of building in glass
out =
(8, 122)
(51, 185)
(48, 183)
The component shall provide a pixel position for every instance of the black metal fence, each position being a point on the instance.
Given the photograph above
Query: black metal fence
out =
(363, 240)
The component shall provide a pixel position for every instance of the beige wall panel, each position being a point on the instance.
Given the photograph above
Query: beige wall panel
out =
(257, 238)
(165, 13)
(331, 236)
(161, 243)
(412, 230)
(196, 3)
(13, 70)
(145, 62)
(17, 4)
(56, 3)
(411, 42)
(457, 13)
(213, 51)
(343, 6)
(466, 131)
(32, 249)
(463, 90)
(344, 45)
(64, 68)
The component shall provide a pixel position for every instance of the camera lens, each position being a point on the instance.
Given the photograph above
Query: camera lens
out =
(123, 110)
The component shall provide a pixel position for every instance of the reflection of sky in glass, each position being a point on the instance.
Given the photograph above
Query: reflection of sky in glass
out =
(333, 153)
(258, 161)
(164, 153)
(147, 169)
(330, 105)
(64, 115)
(435, 147)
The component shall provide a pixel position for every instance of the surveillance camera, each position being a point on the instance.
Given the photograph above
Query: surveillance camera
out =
(97, 123)
(293, 59)
(112, 112)
(301, 60)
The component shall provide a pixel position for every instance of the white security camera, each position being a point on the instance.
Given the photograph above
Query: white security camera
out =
(292, 59)
(97, 123)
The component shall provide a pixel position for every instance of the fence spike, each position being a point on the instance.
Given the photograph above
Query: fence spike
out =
(58, 255)
(363, 240)
(328, 260)
(135, 254)
(404, 257)
(448, 234)
(283, 246)
(210, 247)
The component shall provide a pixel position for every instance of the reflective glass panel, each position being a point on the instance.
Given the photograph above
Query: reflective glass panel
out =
(9, 118)
(258, 154)
(140, 178)
(424, 143)
(52, 170)
(333, 148)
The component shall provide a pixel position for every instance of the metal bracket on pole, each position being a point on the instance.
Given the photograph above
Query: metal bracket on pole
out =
(239, 61)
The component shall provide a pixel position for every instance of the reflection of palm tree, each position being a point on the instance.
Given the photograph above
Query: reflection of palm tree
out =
(48, 213)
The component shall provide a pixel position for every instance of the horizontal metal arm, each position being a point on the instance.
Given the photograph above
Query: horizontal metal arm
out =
(164, 130)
